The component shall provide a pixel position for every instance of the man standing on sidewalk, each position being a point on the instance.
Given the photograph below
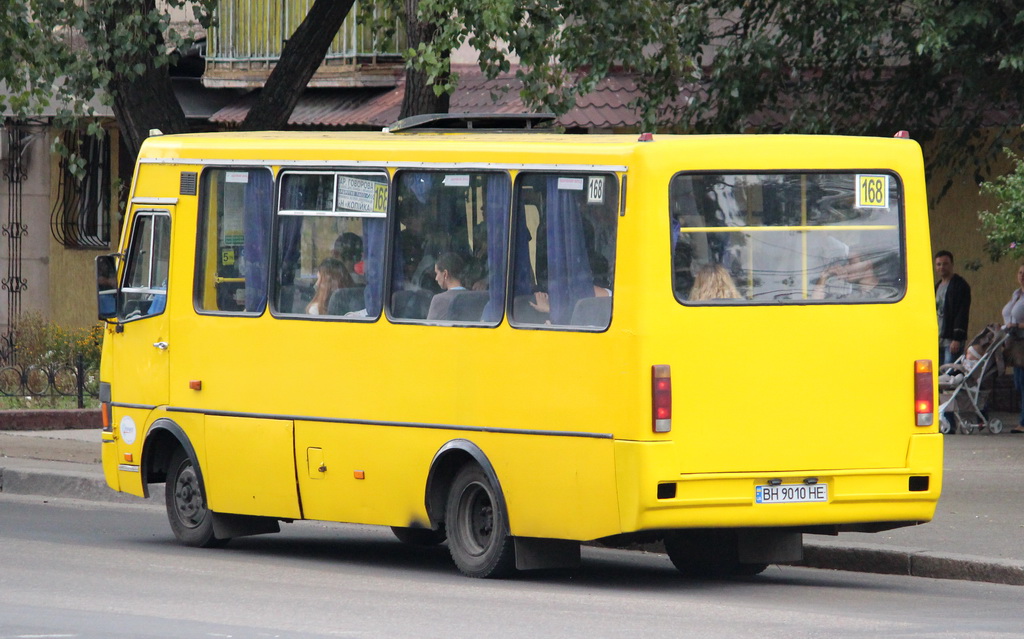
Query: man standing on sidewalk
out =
(953, 306)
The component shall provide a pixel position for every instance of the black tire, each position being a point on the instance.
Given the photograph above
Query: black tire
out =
(191, 521)
(419, 536)
(708, 554)
(477, 526)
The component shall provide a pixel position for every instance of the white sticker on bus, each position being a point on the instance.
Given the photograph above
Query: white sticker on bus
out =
(570, 184)
(456, 180)
(128, 431)
(237, 177)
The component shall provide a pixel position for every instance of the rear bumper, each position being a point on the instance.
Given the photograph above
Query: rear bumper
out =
(857, 498)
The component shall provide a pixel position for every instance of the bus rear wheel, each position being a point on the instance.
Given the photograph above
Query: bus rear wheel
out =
(191, 521)
(708, 554)
(477, 526)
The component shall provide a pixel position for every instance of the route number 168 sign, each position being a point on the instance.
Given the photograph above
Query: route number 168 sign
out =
(873, 191)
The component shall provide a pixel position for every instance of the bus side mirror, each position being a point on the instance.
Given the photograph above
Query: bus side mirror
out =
(107, 295)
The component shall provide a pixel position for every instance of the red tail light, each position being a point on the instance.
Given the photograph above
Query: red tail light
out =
(661, 398)
(924, 393)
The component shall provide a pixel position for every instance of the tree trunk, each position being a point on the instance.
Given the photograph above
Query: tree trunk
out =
(301, 57)
(146, 101)
(419, 95)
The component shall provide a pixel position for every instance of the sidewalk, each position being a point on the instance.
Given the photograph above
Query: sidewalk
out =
(976, 534)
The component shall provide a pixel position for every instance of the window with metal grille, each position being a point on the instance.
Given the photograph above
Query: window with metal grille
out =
(81, 215)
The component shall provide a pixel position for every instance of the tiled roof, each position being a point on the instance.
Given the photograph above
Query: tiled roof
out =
(605, 107)
(316, 107)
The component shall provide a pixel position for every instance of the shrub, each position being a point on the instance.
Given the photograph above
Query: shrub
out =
(1004, 228)
(38, 342)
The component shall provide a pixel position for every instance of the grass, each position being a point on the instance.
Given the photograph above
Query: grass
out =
(45, 402)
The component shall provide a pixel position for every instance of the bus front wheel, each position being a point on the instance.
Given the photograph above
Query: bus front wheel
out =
(191, 521)
(708, 554)
(477, 526)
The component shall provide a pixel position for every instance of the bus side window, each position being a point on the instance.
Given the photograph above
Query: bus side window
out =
(145, 281)
(564, 234)
(234, 240)
(330, 252)
(450, 246)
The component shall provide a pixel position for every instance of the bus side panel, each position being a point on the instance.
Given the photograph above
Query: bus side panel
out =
(378, 475)
(124, 454)
(364, 474)
(250, 470)
(557, 487)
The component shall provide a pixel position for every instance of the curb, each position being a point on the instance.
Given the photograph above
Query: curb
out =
(913, 562)
(56, 419)
(58, 483)
(881, 560)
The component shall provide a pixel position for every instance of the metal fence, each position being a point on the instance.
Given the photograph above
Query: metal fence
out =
(50, 380)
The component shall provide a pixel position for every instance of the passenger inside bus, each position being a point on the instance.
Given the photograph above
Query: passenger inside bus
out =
(348, 249)
(856, 278)
(713, 282)
(448, 272)
(331, 275)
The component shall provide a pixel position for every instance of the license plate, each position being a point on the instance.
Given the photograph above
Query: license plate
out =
(791, 493)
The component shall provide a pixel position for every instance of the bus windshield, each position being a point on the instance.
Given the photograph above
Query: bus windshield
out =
(783, 238)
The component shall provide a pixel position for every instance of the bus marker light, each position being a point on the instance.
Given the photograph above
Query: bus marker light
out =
(359, 474)
(924, 393)
(661, 397)
(128, 457)
(196, 384)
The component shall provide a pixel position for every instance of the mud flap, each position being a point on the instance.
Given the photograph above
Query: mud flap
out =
(535, 553)
(770, 546)
(229, 526)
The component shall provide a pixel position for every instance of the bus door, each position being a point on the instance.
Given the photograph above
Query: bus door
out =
(226, 364)
(142, 341)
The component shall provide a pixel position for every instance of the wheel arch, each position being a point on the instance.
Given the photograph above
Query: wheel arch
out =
(445, 465)
(163, 438)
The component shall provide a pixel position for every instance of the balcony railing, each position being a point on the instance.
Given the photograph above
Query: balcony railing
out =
(250, 34)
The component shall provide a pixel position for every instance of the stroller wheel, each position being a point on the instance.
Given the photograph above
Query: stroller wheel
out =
(995, 426)
(947, 426)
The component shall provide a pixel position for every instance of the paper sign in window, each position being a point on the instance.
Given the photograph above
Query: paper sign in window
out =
(358, 195)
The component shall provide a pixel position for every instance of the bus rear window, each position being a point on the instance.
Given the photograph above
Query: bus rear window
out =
(786, 238)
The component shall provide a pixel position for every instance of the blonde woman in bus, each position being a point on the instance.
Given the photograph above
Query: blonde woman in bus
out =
(330, 276)
(713, 282)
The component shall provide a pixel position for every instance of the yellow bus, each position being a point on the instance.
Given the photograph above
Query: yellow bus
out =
(517, 342)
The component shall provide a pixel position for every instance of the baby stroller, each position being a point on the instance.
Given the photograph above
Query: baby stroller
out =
(966, 385)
